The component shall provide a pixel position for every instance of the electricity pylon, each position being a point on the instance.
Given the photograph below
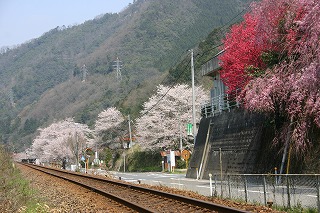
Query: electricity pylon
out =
(117, 66)
(84, 73)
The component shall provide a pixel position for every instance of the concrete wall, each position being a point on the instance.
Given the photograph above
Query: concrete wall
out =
(239, 136)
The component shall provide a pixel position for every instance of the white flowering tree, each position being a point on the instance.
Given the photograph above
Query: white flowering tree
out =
(107, 119)
(62, 139)
(162, 122)
(107, 126)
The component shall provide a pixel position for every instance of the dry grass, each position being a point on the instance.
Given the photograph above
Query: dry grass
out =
(15, 193)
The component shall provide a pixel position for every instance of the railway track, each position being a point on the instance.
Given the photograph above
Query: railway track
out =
(137, 198)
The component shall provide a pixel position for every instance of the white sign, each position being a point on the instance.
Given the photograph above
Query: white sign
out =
(172, 158)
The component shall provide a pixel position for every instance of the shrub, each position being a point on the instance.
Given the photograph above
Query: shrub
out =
(144, 161)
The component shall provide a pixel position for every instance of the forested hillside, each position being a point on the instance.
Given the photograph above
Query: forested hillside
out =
(69, 72)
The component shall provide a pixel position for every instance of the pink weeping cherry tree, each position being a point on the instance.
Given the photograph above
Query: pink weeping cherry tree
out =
(277, 60)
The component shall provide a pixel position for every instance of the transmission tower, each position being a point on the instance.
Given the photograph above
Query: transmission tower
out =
(84, 73)
(117, 66)
(11, 98)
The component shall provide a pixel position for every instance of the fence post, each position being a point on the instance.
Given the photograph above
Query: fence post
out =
(197, 173)
(229, 186)
(206, 110)
(221, 171)
(212, 107)
(245, 189)
(318, 193)
(215, 186)
(264, 190)
(210, 178)
(228, 104)
(288, 191)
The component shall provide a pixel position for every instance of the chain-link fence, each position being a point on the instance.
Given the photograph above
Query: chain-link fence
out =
(270, 189)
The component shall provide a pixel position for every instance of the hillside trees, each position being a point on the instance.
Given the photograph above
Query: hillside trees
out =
(274, 56)
(164, 112)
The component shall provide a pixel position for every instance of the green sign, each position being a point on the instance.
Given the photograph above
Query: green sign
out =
(189, 129)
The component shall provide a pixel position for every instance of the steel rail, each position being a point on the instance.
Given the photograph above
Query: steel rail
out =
(134, 206)
(118, 199)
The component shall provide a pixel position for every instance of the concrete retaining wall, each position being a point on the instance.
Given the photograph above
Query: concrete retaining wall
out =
(237, 134)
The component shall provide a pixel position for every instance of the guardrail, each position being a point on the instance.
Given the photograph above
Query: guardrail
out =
(220, 103)
(287, 190)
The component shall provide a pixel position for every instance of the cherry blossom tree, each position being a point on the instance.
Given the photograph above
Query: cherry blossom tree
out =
(62, 139)
(21, 155)
(165, 113)
(108, 127)
(107, 119)
(281, 76)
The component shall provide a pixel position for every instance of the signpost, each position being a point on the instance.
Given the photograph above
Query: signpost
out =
(186, 156)
(88, 153)
(189, 129)
(172, 160)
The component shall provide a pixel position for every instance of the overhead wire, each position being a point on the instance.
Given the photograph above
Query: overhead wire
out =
(237, 18)
(173, 84)
(222, 31)
(176, 80)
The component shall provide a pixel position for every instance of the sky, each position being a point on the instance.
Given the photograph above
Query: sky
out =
(22, 20)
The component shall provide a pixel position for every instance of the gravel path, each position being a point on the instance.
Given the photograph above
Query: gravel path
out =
(63, 196)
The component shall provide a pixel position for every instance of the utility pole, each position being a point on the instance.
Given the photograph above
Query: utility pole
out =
(130, 135)
(180, 133)
(193, 99)
(96, 156)
(117, 66)
(124, 161)
(77, 152)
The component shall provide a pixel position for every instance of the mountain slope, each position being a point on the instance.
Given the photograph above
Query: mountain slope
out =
(43, 80)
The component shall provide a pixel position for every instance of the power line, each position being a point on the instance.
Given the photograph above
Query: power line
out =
(223, 26)
(176, 80)
(203, 53)
(236, 18)
(233, 18)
